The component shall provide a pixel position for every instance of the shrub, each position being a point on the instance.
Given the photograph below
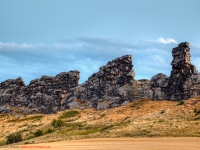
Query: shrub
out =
(14, 137)
(49, 130)
(57, 123)
(162, 112)
(181, 103)
(38, 133)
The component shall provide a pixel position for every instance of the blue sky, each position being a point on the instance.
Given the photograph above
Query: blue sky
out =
(46, 37)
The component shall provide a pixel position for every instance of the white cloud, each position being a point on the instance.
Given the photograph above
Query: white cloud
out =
(167, 41)
(13, 45)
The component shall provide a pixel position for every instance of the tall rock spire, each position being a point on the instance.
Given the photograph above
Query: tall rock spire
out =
(181, 70)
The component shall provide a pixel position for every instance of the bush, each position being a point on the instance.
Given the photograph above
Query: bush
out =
(181, 103)
(49, 130)
(38, 133)
(57, 123)
(162, 112)
(14, 137)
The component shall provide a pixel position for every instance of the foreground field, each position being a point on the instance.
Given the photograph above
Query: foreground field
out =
(185, 143)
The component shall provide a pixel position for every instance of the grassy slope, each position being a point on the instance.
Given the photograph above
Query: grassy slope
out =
(141, 118)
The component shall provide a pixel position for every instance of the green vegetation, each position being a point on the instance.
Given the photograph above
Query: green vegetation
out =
(49, 130)
(27, 119)
(57, 123)
(181, 103)
(14, 137)
(106, 128)
(38, 133)
(162, 112)
(69, 114)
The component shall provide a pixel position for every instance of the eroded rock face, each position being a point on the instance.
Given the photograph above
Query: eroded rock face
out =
(158, 85)
(142, 89)
(106, 88)
(183, 82)
(182, 69)
(42, 95)
(9, 93)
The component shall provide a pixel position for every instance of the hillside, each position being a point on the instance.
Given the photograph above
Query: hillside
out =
(141, 118)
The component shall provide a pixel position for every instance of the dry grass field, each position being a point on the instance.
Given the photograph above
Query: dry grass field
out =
(139, 119)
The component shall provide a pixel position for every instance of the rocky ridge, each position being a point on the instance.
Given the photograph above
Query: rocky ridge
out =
(113, 85)
(42, 95)
(104, 89)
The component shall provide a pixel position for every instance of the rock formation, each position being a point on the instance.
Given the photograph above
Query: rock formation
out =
(112, 86)
(183, 81)
(158, 85)
(182, 69)
(106, 88)
(42, 95)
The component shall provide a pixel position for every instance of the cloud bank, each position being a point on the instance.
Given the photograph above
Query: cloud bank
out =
(86, 54)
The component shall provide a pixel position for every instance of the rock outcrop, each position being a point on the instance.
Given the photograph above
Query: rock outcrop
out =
(182, 69)
(42, 95)
(183, 82)
(10, 91)
(106, 88)
(158, 85)
(113, 85)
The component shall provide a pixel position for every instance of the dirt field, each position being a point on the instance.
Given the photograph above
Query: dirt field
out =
(185, 143)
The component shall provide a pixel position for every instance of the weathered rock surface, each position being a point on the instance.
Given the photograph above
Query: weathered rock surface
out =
(106, 88)
(42, 95)
(158, 85)
(182, 69)
(183, 82)
(113, 85)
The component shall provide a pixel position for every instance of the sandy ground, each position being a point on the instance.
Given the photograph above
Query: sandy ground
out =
(116, 144)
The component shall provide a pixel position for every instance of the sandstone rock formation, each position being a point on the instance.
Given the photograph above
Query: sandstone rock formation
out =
(42, 95)
(113, 85)
(158, 85)
(182, 69)
(183, 82)
(106, 88)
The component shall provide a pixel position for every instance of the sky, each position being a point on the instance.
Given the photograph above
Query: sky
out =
(46, 37)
